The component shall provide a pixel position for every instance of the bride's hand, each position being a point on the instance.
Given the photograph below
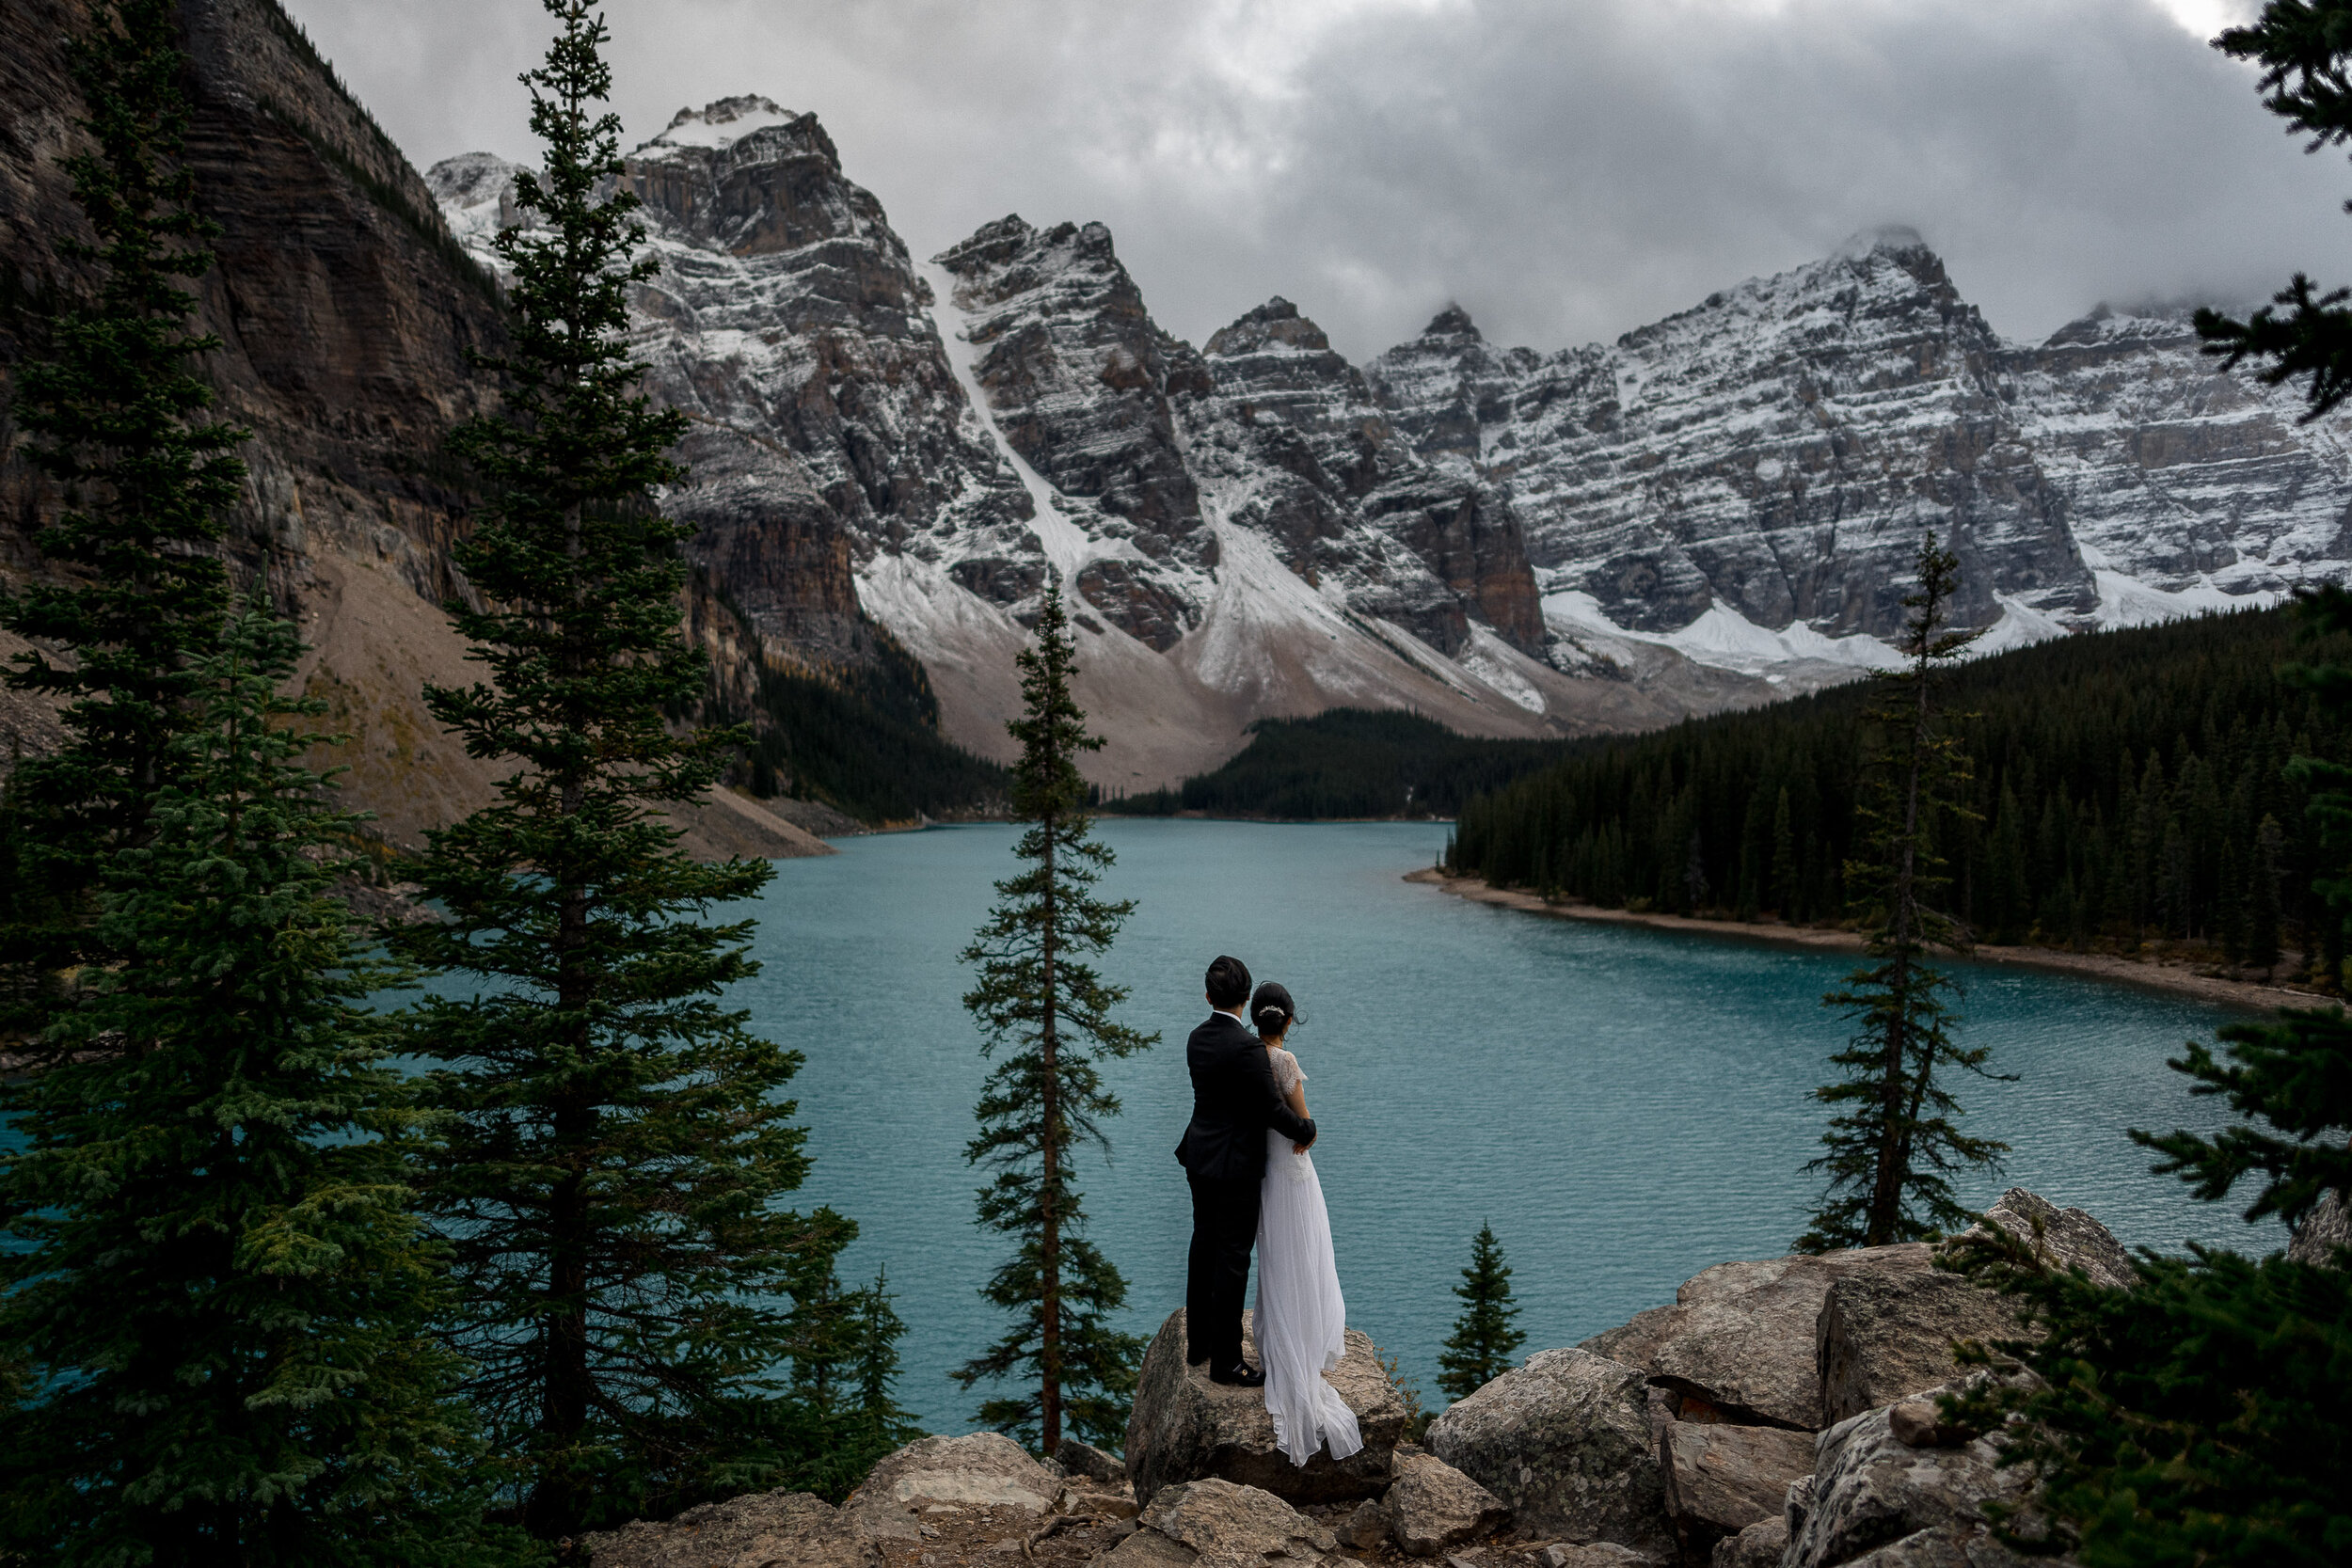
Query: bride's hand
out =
(1298, 1149)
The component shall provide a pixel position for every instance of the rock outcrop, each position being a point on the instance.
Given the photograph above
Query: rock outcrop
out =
(1739, 1342)
(764, 1530)
(1885, 1335)
(1215, 1523)
(2059, 1238)
(2327, 1227)
(1875, 1499)
(1689, 1433)
(985, 1470)
(1565, 1441)
(1431, 1507)
(1184, 1427)
(1720, 1478)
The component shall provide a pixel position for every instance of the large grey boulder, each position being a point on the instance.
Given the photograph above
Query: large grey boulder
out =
(1875, 1499)
(1086, 1460)
(1740, 1340)
(1183, 1427)
(1722, 1479)
(1431, 1507)
(1213, 1523)
(983, 1470)
(1887, 1334)
(1566, 1442)
(2059, 1238)
(762, 1529)
(1759, 1546)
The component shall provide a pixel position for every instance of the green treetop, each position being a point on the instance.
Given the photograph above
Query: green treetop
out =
(619, 1143)
(1045, 1016)
(1895, 1138)
(116, 413)
(2302, 46)
(209, 1269)
(1484, 1340)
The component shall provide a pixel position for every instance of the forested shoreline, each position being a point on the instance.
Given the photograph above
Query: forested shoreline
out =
(2129, 788)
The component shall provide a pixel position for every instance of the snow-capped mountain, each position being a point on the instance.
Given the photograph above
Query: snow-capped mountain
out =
(1712, 511)
(1748, 480)
(1242, 534)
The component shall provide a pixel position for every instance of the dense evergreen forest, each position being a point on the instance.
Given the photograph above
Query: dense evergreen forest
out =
(2129, 788)
(867, 743)
(1350, 763)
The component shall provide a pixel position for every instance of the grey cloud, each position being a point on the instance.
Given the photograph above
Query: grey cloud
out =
(1566, 169)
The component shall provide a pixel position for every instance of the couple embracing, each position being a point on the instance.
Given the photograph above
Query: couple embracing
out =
(1253, 1183)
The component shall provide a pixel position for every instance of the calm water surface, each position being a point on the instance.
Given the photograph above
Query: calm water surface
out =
(1626, 1106)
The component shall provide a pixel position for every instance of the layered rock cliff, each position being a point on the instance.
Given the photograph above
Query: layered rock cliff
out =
(346, 314)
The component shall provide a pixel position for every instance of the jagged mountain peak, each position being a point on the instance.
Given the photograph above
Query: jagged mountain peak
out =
(1893, 239)
(1272, 327)
(727, 120)
(1453, 324)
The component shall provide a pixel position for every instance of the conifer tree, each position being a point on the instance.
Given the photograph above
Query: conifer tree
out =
(611, 1176)
(2302, 47)
(2194, 1417)
(1483, 1341)
(1045, 1016)
(208, 1267)
(1895, 1136)
(845, 1373)
(117, 418)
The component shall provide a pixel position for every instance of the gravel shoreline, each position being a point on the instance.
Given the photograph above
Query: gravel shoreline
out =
(2180, 979)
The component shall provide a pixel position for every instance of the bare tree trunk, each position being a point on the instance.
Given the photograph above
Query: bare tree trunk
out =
(1893, 1158)
(1049, 1188)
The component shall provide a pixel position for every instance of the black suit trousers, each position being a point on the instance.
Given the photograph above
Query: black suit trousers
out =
(1216, 1271)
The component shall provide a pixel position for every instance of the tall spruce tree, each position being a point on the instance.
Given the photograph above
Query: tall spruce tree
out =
(210, 1270)
(610, 1180)
(1895, 1136)
(1045, 1016)
(1480, 1348)
(117, 417)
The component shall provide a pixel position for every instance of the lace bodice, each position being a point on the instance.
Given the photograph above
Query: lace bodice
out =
(1287, 1073)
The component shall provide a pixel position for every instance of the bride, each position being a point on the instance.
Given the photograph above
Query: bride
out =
(1301, 1318)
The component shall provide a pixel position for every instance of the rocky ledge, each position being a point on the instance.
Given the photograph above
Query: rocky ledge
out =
(1780, 1413)
(1184, 1427)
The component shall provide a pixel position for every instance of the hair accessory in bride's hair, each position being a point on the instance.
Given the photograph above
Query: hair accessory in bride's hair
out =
(1273, 1008)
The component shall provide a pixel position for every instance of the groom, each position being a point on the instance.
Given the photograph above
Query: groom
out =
(1223, 1153)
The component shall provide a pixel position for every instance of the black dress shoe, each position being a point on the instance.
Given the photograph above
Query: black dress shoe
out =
(1239, 1376)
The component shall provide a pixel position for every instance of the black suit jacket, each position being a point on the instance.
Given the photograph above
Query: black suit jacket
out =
(1234, 1103)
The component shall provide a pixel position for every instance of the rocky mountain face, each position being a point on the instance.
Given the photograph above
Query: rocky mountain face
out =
(346, 314)
(1718, 508)
(1713, 511)
(1749, 479)
(1242, 531)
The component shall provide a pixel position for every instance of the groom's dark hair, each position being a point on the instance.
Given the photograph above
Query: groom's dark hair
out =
(1228, 982)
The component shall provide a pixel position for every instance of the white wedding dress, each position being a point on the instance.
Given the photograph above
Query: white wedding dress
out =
(1301, 1318)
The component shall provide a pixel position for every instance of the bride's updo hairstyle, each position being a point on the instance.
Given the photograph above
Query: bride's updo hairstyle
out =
(1273, 1011)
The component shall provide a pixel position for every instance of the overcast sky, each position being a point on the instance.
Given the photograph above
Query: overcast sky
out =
(1566, 169)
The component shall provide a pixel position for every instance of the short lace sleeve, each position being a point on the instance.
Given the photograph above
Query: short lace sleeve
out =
(1287, 1075)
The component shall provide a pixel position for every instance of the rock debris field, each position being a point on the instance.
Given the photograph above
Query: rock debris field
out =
(1778, 1414)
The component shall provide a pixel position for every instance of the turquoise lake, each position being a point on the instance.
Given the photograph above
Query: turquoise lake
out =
(1626, 1106)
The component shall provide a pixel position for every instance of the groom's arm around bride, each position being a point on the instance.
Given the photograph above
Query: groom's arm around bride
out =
(1234, 1102)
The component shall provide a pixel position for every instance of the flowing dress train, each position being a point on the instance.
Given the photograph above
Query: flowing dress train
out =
(1301, 1318)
